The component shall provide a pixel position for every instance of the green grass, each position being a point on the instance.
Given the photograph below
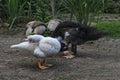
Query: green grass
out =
(113, 28)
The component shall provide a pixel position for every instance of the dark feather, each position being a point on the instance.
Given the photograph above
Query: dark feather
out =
(62, 27)
(79, 33)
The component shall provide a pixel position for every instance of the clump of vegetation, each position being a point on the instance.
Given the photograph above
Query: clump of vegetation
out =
(47, 33)
(14, 8)
(82, 10)
(113, 28)
(16, 12)
(42, 12)
(112, 6)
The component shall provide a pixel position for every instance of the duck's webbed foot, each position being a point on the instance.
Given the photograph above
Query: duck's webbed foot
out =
(68, 54)
(42, 64)
(42, 67)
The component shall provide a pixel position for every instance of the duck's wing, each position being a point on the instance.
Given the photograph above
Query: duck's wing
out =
(79, 33)
(62, 27)
(49, 45)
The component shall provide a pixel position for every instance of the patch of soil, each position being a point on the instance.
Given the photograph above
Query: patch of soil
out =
(96, 60)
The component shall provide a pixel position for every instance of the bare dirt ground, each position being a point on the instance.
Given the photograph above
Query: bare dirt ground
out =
(96, 60)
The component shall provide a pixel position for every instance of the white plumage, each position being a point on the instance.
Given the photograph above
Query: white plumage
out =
(41, 46)
(49, 46)
(25, 45)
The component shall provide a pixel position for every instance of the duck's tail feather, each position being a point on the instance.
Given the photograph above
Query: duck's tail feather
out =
(22, 45)
(14, 46)
(94, 34)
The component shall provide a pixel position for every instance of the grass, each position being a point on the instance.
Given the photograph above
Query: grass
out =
(113, 28)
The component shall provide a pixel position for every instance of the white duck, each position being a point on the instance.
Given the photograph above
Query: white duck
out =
(35, 27)
(41, 46)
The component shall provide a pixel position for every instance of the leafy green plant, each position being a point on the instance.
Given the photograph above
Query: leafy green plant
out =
(30, 10)
(60, 9)
(1, 7)
(47, 33)
(14, 9)
(112, 6)
(83, 10)
(42, 10)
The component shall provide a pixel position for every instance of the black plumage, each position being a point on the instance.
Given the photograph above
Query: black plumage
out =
(77, 33)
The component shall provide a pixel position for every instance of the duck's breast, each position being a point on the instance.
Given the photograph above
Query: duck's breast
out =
(49, 46)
